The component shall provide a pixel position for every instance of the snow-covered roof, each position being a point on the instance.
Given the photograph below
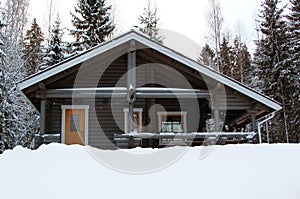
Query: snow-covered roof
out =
(144, 39)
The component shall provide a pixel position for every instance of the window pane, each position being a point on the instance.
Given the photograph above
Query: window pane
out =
(177, 127)
(166, 127)
(74, 122)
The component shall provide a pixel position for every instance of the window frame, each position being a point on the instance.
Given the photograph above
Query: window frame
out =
(126, 119)
(182, 114)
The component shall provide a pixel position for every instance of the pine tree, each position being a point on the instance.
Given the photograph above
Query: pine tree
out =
(93, 24)
(272, 65)
(54, 51)
(207, 56)
(149, 22)
(33, 48)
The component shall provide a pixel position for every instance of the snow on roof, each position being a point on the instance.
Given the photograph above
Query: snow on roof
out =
(142, 38)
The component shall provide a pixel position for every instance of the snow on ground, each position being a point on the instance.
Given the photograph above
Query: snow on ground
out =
(232, 171)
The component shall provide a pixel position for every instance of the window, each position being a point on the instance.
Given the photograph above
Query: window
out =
(74, 123)
(137, 120)
(172, 122)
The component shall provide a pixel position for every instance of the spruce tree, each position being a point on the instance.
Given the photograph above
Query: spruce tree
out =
(54, 51)
(271, 60)
(149, 22)
(225, 58)
(235, 61)
(33, 48)
(235, 74)
(245, 65)
(92, 23)
(207, 56)
(294, 33)
(294, 69)
(241, 62)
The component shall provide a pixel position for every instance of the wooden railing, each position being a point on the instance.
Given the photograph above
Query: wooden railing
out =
(156, 140)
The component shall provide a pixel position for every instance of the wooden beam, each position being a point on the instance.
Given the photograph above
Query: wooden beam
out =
(64, 94)
(253, 111)
(253, 122)
(43, 117)
(42, 86)
(228, 107)
(121, 92)
(168, 95)
(132, 46)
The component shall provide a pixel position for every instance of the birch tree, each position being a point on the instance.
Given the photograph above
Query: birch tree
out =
(215, 22)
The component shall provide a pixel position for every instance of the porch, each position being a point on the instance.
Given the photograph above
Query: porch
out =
(158, 140)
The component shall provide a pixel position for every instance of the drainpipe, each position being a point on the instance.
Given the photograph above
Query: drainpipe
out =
(265, 119)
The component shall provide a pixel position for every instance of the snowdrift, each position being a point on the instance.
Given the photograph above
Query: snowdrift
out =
(232, 171)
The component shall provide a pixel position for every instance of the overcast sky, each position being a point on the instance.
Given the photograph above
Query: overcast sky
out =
(186, 17)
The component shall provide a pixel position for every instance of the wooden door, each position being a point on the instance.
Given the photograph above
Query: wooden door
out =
(75, 126)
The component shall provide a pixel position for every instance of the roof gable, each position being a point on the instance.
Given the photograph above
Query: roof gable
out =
(143, 39)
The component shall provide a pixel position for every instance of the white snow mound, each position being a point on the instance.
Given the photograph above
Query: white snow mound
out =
(233, 171)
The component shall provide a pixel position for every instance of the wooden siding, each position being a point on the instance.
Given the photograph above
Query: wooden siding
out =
(151, 72)
(109, 116)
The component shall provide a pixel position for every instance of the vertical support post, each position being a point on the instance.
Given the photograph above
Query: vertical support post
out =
(152, 119)
(131, 82)
(130, 112)
(215, 111)
(217, 120)
(43, 117)
(253, 122)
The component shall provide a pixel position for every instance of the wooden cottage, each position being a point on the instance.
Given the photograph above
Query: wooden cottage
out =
(133, 91)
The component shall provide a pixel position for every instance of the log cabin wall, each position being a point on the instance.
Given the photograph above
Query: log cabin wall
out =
(110, 117)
